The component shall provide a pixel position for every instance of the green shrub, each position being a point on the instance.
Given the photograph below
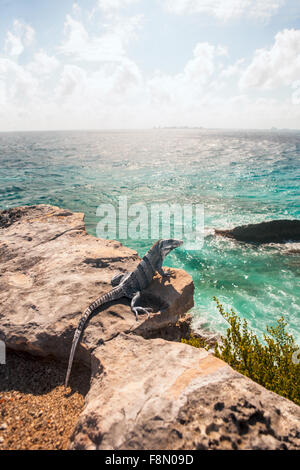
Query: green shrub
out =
(268, 363)
(196, 342)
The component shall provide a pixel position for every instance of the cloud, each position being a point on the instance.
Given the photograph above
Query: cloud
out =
(276, 66)
(76, 10)
(16, 40)
(233, 70)
(43, 64)
(91, 80)
(72, 80)
(92, 77)
(13, 45)
(111, 84)
(107, 47)
(19, 84)
(202, 65)
(195, 80)
(225, 10)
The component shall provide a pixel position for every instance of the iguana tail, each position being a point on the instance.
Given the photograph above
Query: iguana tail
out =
(114, 294)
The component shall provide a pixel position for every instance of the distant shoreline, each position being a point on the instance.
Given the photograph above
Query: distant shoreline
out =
(158, 128)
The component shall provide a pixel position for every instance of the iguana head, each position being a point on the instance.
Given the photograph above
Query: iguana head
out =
(165, 246)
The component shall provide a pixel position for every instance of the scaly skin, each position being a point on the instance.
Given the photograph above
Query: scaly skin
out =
(128, 285)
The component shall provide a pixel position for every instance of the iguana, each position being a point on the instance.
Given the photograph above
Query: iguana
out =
(129, 285)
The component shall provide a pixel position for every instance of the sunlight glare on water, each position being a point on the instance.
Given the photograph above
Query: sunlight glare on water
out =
(241, 177)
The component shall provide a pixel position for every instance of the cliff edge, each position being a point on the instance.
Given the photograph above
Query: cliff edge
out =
(144, 393)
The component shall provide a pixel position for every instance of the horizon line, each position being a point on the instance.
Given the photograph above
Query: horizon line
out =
(200, 128)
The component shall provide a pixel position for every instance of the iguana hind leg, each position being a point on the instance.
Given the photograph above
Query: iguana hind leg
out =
(137, 309)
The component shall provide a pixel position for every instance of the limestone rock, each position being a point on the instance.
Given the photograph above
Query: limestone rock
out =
(155, 394)
(275, 231)
(146, 392)
(51, 269)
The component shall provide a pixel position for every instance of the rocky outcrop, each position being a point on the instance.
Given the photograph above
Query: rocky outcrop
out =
(275, 231)
(50, 271)
(146, 392)
(154, 394)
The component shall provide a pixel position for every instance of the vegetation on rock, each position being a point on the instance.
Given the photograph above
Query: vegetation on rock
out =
(196, 342)
(271, 362)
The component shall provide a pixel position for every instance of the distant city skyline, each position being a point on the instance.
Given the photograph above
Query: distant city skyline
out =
(136, 64)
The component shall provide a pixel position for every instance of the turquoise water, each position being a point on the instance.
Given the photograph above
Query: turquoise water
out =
(240, 177)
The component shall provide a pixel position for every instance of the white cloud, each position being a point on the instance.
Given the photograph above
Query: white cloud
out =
(76, 10)
(195, 81)
(110, 84)
(76, 37)
(107, 47)
(233, 70)
(225, 10)
(13, 45)
(92, 79)
(92, 82)
(276, 66)
(20, 85)
(16, 41)
(72, 80)
(43, 64)
(202, 65)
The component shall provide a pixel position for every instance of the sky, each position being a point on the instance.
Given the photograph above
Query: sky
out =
(118, 64)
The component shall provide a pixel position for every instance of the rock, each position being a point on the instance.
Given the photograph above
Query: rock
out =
(173, 332)
(275, 231)
(146, 392)
(8, 217)
(51, 269)
(293, 252)
(154, 394)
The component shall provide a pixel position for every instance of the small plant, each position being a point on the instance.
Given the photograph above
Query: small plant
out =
(196, 342)
(269, 363)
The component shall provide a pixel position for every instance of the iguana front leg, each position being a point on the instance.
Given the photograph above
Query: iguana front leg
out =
(163, 274)
(136, 309)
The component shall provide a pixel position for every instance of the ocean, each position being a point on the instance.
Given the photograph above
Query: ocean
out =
(240, 177)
